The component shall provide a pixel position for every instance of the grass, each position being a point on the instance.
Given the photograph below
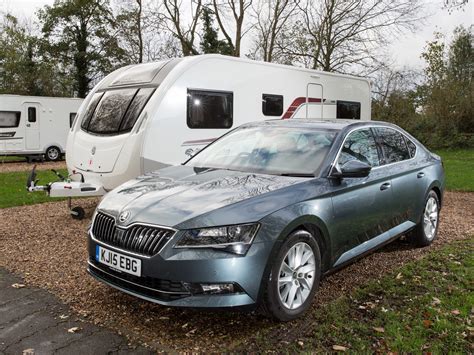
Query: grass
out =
(11, 158)
(13, 188)
(426, 306)
(459, 168)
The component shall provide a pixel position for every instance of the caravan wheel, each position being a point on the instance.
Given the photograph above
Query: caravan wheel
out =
(53, 154)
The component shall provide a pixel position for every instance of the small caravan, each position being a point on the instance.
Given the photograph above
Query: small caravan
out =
(35, 125)
(143, 117)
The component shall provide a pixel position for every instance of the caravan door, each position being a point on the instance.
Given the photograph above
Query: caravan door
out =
(32, 131)
(314, 101)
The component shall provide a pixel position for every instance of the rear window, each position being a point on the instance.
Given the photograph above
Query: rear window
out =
(9, 119)
(115, 111)
(393, 144)
(210, 109)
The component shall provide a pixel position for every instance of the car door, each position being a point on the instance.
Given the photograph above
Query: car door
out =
(361, 206)
(408, 178)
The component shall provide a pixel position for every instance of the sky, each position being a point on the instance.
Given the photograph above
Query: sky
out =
(405, 51)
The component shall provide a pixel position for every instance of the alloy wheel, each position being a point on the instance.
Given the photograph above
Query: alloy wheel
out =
(296, 277)
(430, 218)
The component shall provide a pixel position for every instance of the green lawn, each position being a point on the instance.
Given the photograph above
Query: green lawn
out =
(426, 306)
(11, 158)
(459, 167)
(13, 188)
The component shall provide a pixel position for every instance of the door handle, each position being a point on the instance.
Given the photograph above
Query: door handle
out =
(420, 175)
(385, 186)
(28, 125)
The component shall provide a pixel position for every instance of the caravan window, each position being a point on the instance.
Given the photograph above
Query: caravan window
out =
(136, 107)
(210, 109)
(272, 105)
(9, 119)
(31, 114)
(348, 110)
(115, 111)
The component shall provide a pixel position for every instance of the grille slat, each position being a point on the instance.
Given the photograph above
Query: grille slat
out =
(151, 241)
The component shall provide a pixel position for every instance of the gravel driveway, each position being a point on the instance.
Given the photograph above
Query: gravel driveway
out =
(44, 245)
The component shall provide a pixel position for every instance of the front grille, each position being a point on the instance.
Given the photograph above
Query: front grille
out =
(164, 290)
(139, 239)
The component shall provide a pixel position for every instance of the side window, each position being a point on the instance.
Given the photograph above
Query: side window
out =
(210, 109)
(348, 110)
(9, 119)
(272, 105)
(72, 116)
(32, 114)
(360, 145)
(393, 145)
(411, 147)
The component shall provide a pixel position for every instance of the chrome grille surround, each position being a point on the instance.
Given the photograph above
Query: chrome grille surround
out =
(137, 238)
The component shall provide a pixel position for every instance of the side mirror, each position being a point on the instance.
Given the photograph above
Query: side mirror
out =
(352, 169)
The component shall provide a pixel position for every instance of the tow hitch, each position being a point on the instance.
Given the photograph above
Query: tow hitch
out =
(65, 187)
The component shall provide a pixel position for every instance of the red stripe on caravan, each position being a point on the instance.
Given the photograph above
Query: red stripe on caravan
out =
(297, 103)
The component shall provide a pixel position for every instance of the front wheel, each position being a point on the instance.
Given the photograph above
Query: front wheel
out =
(53, 154)
(294, 277)
(427, 229)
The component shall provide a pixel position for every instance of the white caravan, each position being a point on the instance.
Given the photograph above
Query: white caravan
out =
(143, 117)
(35, 125)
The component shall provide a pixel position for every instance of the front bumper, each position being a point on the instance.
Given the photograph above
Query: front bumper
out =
(166, 276)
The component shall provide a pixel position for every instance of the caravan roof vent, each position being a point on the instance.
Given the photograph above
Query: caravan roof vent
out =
(139, 74)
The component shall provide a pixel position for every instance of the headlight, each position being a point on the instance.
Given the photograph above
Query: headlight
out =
(236, 239)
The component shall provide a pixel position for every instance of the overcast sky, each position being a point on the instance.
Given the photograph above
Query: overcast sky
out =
(405, 51)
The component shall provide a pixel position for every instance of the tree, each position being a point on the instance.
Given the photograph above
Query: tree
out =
(271, 21)
(129, 22)
(169, 17)
(22, 70)
(346, 35)
(210, 42)
(82, 34)
(237, 10)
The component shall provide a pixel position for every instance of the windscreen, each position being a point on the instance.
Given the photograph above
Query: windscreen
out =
(267, 149)
(115, 111)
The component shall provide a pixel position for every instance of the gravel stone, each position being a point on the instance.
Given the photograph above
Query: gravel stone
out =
(48, 249)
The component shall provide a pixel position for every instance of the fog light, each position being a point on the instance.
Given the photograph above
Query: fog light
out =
(217, 288)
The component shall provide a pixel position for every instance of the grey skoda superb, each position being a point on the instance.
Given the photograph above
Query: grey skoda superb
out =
(259, 216)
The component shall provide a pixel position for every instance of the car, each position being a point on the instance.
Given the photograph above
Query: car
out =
(255, 219)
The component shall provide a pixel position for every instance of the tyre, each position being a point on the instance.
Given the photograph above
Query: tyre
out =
(294, 278)
(77, 213)
(427, 229)
(53, 154)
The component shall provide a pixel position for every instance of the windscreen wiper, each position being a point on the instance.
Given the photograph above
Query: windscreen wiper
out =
(297, 175)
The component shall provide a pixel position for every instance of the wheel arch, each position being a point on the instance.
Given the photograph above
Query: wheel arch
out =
(317, 228)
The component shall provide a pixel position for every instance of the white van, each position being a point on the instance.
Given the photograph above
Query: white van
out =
(147, 116)
(34, 125)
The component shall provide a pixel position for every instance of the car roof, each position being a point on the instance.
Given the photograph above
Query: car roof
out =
(315, 123)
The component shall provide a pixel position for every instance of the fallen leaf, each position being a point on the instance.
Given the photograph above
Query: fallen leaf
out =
(427, 323)
(73, 330)
(384, 310)
(339, 348)
(30, 351)
(379, 329)
(63, 316)
(455, 312)
(399, 276)
(18, 285)
(436, 301)
(300, 343)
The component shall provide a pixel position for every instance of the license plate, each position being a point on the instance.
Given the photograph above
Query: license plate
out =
(118, 261)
